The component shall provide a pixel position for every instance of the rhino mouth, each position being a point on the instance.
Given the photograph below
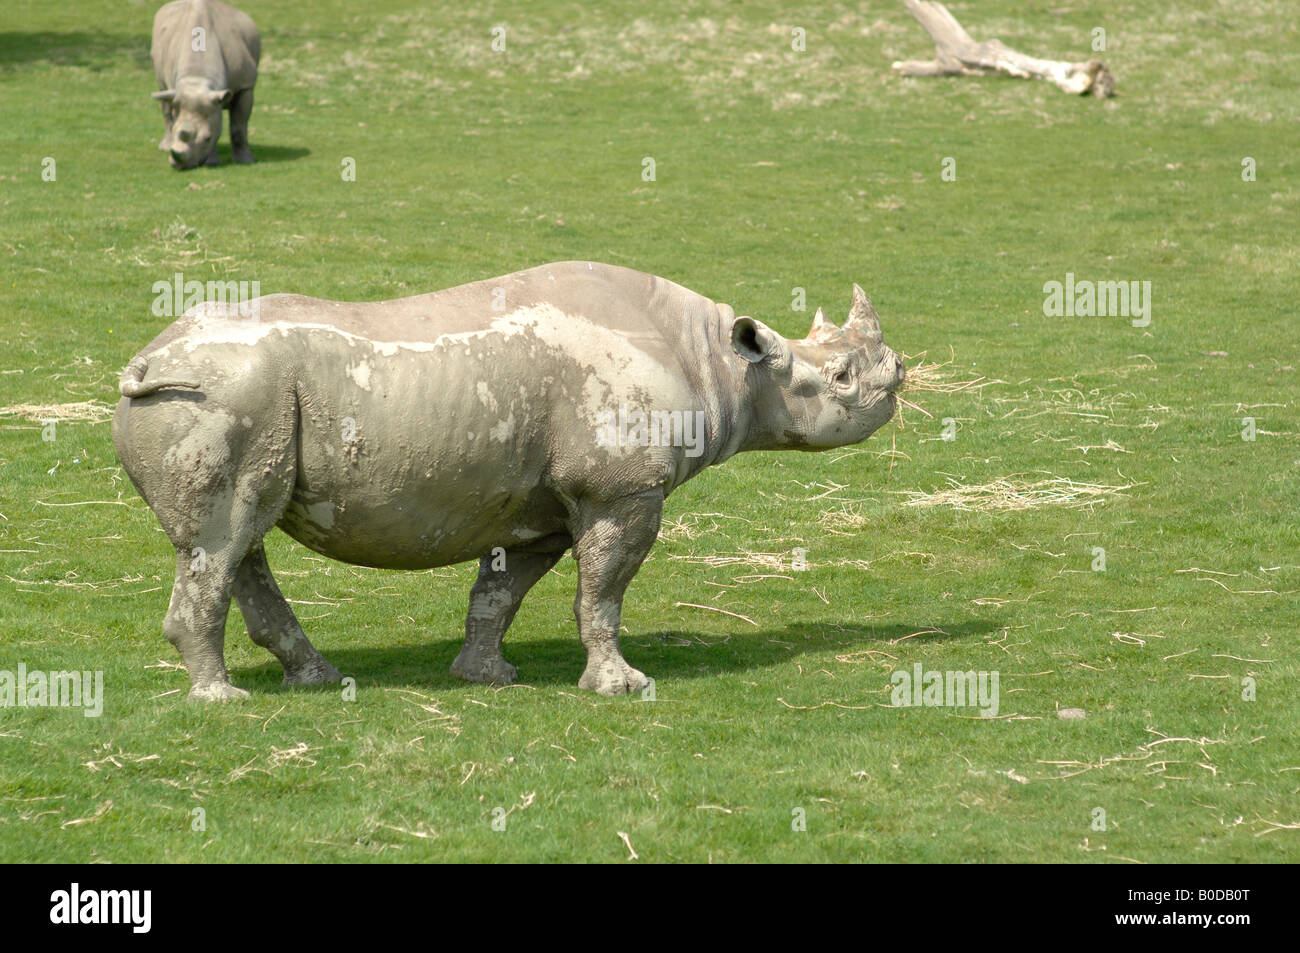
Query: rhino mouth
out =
(185, 160)
(886, 398)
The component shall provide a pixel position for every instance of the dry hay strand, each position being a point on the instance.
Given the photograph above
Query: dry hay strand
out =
(299, 756)
(846, 519)
(755, 560)
(917, 407)
(95, 411)
(1010, 493)
(935, 378)
(688, 526)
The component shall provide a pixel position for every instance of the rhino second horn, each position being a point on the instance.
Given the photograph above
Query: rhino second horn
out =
(862, 315)
(822, 329)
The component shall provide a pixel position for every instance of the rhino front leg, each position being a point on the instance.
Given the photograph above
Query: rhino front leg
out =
(502, 583)
(166, 143)
(273, 626)
(610, 548)
(240, 109)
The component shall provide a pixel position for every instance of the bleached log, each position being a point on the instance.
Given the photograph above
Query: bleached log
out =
(957, 54)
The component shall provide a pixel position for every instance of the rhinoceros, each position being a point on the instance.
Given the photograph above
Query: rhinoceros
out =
(205, 54)
(506, 420)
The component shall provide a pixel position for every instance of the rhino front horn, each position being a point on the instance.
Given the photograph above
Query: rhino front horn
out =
(822, 329)
(863, 316)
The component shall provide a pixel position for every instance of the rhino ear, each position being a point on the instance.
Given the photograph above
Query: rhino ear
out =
(755, 341)
(220, 97)
(863, 316)
(167, 94)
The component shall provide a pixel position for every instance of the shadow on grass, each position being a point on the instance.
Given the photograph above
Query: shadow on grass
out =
(265, 153)
(664, 655)
(95, 51)
(261, 153)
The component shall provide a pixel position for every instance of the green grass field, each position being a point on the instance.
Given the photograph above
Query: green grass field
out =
(775, 170)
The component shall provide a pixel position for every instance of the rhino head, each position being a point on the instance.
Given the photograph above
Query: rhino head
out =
(835, 387)
(196, 120)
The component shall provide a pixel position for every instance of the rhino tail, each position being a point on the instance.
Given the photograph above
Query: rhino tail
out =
(132, 383)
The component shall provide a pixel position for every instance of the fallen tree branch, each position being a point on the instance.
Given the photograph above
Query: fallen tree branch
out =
(957, 54)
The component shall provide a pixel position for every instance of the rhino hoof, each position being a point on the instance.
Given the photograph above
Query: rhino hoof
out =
(217, 692)
(486, 671)
(244, 156)
(315, 672)
(613, 678)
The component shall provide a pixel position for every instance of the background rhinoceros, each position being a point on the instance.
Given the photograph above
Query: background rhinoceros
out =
(506, 420)
(205, 54)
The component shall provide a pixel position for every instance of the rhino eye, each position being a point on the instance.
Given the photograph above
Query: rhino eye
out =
(842, 377)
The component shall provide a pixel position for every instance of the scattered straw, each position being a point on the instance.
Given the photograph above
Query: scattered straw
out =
(917, 407)
(628, 844)
(418, 831)
(688, 526)
(95, 411)
(933, 378)
(100, 811)
(824, 705)
(297, 756)
(937, 378)
(756, 560)
(866, 655)
(1274, 827)
(694, 605)
(1011, 493)
(112, 759)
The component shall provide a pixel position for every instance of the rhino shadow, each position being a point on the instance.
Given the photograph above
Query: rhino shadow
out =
(264, 153)
(95, 51)
(665, 655)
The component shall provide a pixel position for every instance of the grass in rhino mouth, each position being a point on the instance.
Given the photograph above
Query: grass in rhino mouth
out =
(936, 378)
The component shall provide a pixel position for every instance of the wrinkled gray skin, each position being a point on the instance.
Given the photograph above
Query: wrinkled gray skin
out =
(196, 85)
(430, 430)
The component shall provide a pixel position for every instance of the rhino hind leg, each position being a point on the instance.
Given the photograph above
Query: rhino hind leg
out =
(218, 482)
(196, 624)
(273, 626)
(209, 563)
(502, 583)
(611, 545)
(240, 109)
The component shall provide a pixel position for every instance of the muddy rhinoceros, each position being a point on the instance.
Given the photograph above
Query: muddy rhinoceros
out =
(205, 55)
(506, 420)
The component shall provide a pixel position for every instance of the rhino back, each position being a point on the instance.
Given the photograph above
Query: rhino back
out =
(233, 46)
(631, 335)
(615, 336)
